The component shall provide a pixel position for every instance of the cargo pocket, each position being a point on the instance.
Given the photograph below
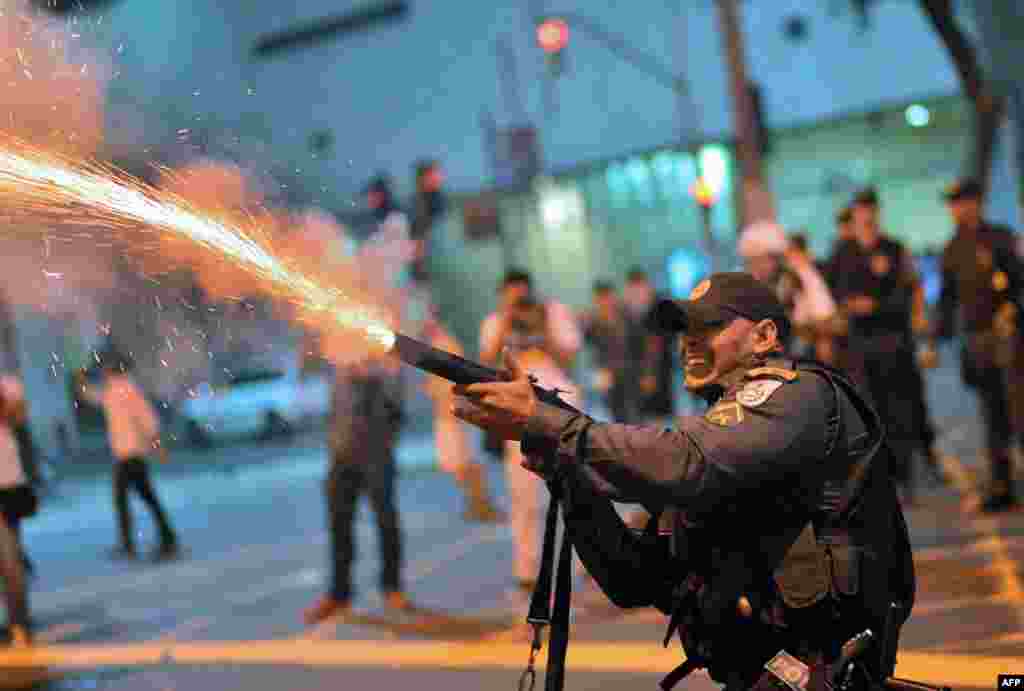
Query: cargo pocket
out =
(803, 578)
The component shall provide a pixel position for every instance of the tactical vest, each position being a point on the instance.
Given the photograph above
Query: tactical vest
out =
(815, 567)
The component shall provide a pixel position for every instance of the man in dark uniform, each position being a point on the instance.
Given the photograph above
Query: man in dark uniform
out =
(782, 527)
(875, 285)
(649, 361)
(366, 415)
(983, 276)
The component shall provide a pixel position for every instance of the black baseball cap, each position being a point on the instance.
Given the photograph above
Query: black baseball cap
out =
(719, 299)
(968, 188)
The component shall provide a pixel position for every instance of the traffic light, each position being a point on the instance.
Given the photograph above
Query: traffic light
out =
(553, 38)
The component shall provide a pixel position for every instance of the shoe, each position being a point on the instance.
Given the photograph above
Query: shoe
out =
(325, 608)
(398, 601)
(998, 503)
(122, 553)
(167, 553)
(484, 513)
(526, 585)
(20, 637)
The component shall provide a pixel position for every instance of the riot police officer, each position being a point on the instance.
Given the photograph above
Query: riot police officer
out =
(780, 526)
(983, 276)
(875, 285)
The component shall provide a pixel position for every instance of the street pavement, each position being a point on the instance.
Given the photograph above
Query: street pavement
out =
(227, 616)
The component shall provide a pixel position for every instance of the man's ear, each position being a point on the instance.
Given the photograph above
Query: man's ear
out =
(766, 336)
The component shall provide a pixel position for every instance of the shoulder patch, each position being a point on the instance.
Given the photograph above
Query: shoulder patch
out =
(757, 392)
(725, 414)
(778, 372)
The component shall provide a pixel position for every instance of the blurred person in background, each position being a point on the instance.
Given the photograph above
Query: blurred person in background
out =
(789, 270)
(604, 329)
(18, 501)
(529, 334)
(12, 392)
(982, 280)
(842, 244)
(875, 285)
(451, 438)
(564, 338)
(812, 310)
(133, 430)
(649, 357)
(365, 421)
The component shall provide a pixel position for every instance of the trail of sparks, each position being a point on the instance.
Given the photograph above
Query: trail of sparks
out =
(34, 179)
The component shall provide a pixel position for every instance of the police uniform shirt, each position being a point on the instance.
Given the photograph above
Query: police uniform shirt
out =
(981, 271)
(883, 273)
(767, 433)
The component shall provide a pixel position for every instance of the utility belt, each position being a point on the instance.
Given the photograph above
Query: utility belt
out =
(809, 593)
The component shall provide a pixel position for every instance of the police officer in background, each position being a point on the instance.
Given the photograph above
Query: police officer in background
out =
(876, 284)
(781, 530)
(983, 277)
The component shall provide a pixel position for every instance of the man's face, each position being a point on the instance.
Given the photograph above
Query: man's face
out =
(638, 294)
(710, 352)
(605, 301)
(965, 211)
(845, 230)
(764, 268)
(513, 292)
(865, 216)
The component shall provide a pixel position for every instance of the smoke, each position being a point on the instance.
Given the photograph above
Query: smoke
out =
(55, 102)
(50, 100)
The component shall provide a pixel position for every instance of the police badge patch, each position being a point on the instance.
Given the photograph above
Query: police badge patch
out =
(725, 415)
(757, 392)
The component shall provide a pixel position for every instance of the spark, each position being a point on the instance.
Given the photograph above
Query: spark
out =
(36, 181)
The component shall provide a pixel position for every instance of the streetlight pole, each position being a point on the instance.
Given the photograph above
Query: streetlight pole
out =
(756, 200)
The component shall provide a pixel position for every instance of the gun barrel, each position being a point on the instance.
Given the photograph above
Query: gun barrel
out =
(442, 364)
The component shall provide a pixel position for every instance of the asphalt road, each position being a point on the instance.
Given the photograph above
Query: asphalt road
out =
(227, 615)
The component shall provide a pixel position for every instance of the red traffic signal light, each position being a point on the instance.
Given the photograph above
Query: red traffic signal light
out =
(429, 178)
(553, 35)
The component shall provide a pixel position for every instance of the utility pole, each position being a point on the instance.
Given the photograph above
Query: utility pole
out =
(756, 202)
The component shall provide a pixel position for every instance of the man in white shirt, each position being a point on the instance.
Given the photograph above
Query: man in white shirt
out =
(551, 359)
(133, 429)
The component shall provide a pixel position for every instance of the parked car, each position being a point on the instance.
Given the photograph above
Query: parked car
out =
(262, 402)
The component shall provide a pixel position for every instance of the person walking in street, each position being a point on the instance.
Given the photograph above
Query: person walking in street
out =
(366, 418)
(982, 281)
(133, 430)
(18, 501)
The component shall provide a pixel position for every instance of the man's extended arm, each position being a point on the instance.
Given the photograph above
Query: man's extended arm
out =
(702, 462)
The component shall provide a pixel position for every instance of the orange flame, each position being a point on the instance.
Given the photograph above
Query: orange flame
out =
(239, 252)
